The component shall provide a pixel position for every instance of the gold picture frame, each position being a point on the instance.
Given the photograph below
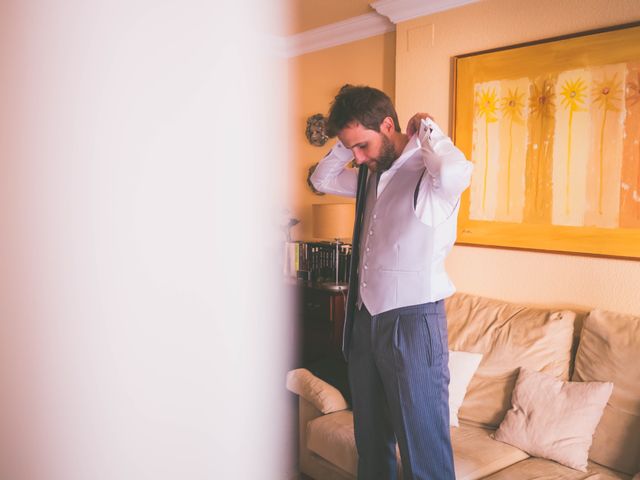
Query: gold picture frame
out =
(553, 130)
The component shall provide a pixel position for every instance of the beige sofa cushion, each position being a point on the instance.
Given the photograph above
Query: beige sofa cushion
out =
(541, 469)
(609, 350)
(510, 336)
(320, 394)
(553, 419)
(477, 455)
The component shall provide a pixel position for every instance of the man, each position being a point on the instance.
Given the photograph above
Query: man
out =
(395, 338)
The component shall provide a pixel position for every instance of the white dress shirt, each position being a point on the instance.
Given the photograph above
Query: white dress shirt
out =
(448, 173)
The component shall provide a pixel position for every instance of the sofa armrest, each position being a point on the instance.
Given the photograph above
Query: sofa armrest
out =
(326, 398)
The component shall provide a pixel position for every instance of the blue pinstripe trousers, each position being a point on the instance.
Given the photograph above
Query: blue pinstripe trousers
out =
(399, 378)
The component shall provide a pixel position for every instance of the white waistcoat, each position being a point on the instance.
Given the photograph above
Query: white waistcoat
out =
(398, 266)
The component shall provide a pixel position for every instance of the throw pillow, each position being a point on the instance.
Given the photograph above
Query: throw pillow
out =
(509, 336)
(319, 393)
(462, 366)
(608, 351)
(553, 419)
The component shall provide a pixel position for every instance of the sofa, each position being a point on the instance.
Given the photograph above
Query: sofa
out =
(596, 346)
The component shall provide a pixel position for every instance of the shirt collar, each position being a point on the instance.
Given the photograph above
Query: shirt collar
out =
(412, 146)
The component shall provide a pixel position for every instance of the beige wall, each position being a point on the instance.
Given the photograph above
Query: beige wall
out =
(315, 79)
(424, 48)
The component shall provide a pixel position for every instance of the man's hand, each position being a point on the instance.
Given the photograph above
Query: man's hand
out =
(414, 123)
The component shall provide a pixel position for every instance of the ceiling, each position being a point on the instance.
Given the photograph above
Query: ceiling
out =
(308, 14)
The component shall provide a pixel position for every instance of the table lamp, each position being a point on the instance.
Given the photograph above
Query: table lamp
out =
(334, 221)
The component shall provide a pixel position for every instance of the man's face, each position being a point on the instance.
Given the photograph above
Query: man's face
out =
(372, 148)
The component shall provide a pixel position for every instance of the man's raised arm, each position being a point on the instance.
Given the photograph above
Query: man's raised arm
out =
(331, 176)
(446, 164)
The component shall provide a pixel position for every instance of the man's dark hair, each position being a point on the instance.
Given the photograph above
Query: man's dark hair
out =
(364, 105)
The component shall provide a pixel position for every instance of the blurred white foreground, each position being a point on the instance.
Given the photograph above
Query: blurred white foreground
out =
(141, 330)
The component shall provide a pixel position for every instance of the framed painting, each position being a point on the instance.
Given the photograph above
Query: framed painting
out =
(553, 130)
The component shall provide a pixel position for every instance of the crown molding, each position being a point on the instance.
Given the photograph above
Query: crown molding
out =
(389, 12)
(403, 10)
(346, 31)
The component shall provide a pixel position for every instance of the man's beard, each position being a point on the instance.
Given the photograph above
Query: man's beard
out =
(385, 159)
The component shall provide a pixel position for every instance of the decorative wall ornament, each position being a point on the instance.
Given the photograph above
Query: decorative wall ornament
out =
(312, 169)
(315, 131)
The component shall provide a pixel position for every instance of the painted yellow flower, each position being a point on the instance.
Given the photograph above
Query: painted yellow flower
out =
(487, 104)
(541, 102)
(573, 94)
(542, 108)
(607, 93)
(512, 105)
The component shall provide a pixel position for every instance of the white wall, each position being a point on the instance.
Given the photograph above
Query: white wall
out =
(424, 48)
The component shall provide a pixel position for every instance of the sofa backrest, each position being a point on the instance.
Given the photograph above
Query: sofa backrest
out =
(509, 336)
(609, 350)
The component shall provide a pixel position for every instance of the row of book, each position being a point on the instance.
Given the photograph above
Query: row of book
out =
(316, 261)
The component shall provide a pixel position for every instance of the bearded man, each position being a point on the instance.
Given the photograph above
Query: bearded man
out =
(395, 335)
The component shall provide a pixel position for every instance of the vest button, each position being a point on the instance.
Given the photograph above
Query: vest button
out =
(366, 267)
(370, 232)
(368, 249)
(375, 216)
(364, 284)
